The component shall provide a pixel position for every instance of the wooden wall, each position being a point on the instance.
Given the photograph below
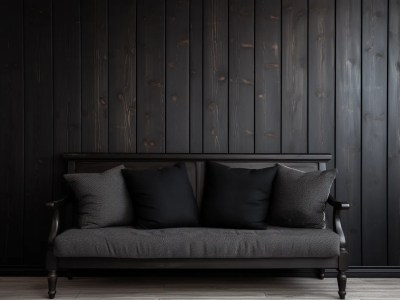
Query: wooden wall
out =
(201, 76)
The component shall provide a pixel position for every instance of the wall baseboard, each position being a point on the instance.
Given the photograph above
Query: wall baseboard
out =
(353, 272)
(364, 272)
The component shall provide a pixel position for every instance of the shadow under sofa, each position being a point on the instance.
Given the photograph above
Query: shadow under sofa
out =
(193, 248)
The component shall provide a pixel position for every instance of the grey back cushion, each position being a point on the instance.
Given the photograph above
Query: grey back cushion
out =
(103, 198)
(299, 198)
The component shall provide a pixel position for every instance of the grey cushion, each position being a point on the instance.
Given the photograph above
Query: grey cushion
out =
(299, 198)
(127, 242)
(103, 199)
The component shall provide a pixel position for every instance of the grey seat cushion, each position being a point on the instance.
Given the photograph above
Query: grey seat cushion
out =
(128, 242)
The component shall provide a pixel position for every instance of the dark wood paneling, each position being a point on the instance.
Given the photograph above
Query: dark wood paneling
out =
(151, 76)
(205, 77)
(348, 119)
(374, 132)
(38, 127)
(267, 76)
(241, 76)
(11, 132)
(196, 76)
(321, 83)
(294, 76)
(67, 85)
(321, 73)
(94, 75)
(394, 134)
(177, 76)
(215, 86)
(122, 75)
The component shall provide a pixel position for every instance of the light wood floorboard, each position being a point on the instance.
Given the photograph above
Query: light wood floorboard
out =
(181, 288)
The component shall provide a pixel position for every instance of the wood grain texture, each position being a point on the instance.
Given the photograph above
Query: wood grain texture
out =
(321, 72)
(177, 76)
(374, 132)
(11, 132)
(38, 127)
(196, 76)
(241, 76)
(216, 68)
(267, 76)
(294, 76)
(211, 285)
(394, 134)
(94, 75)
(122, 75)
(151, 76)
(348, 120)
(67, 86)
(67, 107)
(321, 83)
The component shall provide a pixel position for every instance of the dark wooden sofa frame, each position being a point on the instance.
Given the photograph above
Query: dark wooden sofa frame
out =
(78, 162)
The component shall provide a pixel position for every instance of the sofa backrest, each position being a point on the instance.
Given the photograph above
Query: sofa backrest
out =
(195, 164)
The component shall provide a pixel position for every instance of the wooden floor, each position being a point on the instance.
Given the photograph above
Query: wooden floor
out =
(180, 288)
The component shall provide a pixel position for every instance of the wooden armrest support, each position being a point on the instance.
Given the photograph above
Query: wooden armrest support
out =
(55, 223)
(56, 203)
(337, 223)
(337, 204)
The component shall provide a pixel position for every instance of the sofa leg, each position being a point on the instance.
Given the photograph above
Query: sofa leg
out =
(342, 279)
(321, 274)
(69, 275)
(52, 282)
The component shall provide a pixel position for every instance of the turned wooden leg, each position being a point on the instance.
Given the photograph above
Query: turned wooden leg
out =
(321, 273)
(342, 279)
(52, 281)
(69, 275)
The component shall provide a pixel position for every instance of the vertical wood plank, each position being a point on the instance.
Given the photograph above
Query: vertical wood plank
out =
(348, 120)
(94, 76)
(196, 76)
(294, 76)
(11, 132)
(38, 127)
(268, 76)
(394, 134)
(67, 85)
(151, 76)
(215, 127)
(122, 76)
(177, 76)
(241, 76)
(374, 132)
(321, 84)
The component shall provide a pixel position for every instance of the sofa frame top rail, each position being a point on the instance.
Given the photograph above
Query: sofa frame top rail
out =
(194, 157)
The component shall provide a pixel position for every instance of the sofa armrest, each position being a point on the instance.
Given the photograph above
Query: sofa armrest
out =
(336, 204)
(337, 223)
(55, 223)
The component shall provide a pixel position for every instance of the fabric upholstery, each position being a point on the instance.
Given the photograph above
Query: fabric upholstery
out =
(128, 242)
(236, 197)
(162, 198)
(299, 198)
(103, 199)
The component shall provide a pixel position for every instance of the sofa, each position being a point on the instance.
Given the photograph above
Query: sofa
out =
(128, 247)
